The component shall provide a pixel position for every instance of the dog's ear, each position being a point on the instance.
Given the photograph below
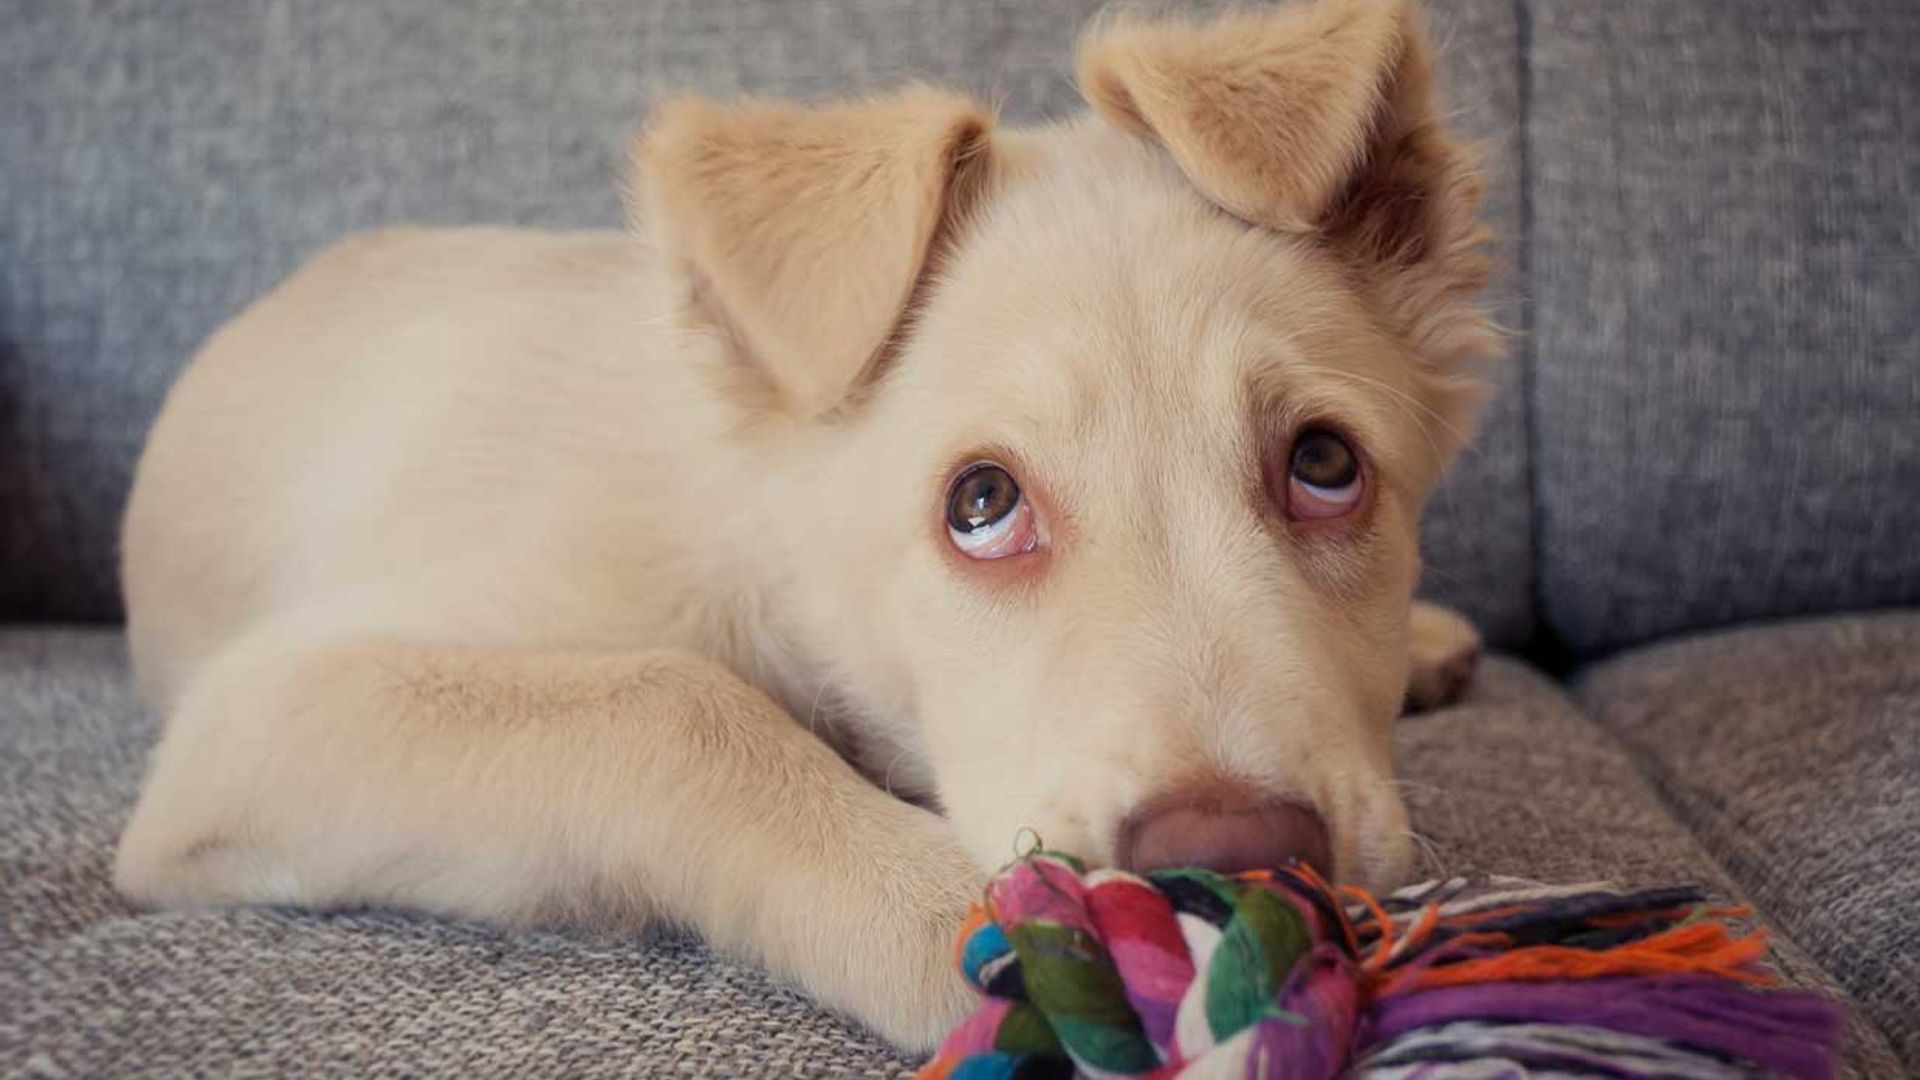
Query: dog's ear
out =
(808, 227)
(1317, 119)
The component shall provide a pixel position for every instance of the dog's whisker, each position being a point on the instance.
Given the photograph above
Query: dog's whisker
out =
(886, 777)
(1416, 785)
(1431, 857)
(813, 709)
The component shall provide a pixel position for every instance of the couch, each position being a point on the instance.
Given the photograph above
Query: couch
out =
(1690, 529)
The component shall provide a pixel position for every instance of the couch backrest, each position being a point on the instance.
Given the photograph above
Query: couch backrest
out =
(164, 163)
(1725, 257)
(1714, 414)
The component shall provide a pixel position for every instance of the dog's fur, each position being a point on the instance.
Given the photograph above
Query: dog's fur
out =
(602, 577)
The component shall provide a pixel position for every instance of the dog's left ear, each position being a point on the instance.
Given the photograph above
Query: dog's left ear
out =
(808, 227)
(1318, 119)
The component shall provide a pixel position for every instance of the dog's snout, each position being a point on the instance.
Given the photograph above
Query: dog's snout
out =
(1228, 828)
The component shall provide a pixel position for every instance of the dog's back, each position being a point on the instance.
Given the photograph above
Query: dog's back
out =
(458, 402)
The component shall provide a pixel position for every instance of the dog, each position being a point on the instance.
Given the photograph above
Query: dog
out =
(900, 485)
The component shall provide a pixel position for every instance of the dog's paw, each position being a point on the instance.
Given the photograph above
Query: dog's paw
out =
(1446, 651)
(892, 956)
(926, 997)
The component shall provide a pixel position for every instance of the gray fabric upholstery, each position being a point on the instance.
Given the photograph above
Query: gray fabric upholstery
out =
(165, 164)
(1726, 261)
(1793, 752)
(1518, 780)
(1515, 780)
(1478, 539)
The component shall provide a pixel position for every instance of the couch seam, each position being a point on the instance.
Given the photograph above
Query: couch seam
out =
(1540, 631)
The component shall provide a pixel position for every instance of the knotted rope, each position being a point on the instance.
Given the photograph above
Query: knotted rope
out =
(1278, 975)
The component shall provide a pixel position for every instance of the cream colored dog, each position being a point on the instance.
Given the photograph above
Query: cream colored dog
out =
(899, 484)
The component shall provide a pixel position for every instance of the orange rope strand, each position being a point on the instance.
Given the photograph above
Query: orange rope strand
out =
(1375, 964)
(1698, 948)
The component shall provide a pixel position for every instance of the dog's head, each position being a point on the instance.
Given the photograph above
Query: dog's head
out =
(1096, 452)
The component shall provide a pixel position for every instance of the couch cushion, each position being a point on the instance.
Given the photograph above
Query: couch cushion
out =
(1513, 781)
(1518, 780)
(1726, 331)
(1794, 753)
(164, 164)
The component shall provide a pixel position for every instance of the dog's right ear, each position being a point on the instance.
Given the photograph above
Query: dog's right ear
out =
(808, 227)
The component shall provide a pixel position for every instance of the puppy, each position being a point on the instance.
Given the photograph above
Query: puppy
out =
(897, 486)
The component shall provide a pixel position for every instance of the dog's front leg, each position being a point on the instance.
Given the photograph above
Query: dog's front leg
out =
(522, 787)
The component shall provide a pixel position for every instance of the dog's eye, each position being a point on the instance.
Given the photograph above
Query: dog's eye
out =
(1323, 477)
(987, 516)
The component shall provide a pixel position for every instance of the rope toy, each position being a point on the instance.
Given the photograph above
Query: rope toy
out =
(1275, 974)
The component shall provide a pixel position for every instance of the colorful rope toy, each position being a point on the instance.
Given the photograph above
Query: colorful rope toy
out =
(1276, 974)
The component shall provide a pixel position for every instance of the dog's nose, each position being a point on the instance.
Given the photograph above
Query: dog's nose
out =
(1228, 830)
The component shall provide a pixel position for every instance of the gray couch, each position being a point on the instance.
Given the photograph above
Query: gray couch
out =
(1692, 525)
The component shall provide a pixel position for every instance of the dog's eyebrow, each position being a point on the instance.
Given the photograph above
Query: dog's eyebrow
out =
(1286, 391)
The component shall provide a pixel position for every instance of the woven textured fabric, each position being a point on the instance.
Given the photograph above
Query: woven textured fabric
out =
(1793, 752)
(1478, 539)
(1518, 780)
(166, 163)
(1726, 260)
(1515, 780)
